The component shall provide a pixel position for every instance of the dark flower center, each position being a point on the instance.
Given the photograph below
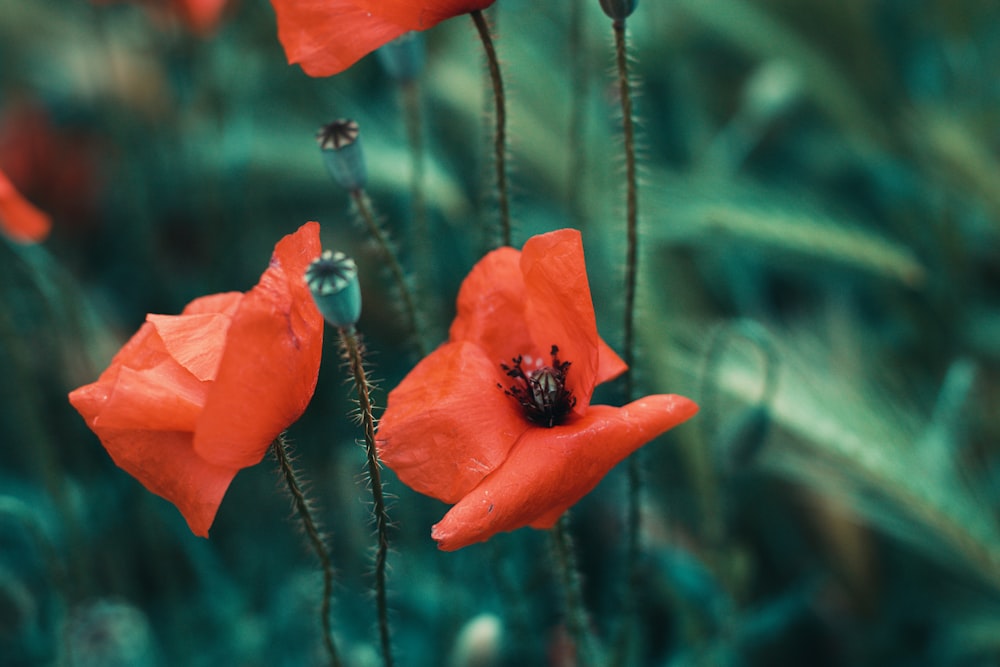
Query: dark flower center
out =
(541, 392)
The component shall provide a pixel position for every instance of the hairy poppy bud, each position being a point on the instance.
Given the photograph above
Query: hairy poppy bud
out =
(403, 57)
(333, 281)
(619, 10)
(341, 146)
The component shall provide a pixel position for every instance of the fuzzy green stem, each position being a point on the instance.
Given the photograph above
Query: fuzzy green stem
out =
(577, 621)
(385, 248)
(633, 518)
(500, 135)
(351, 344)
(304, 509)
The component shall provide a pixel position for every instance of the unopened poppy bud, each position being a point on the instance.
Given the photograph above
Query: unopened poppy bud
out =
(618, 10)
(333, 281)
(341, 147)
(403, 57)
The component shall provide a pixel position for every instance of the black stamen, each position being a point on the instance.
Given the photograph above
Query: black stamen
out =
(541, 392)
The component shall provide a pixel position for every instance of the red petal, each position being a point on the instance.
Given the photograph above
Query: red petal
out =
(165, 463)
(328, 36)
(558, 307)
(144, 408)
(269, 368)
(420, 15)
(447, 425)
(143, 387)
(490, 308)
(549, 470)
(19, 219)
(194, 341)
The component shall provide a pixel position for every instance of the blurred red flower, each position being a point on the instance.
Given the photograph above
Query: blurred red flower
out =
(57, 166)
(488, 423)
(20, 220)
(199, 16)
(193, 398)
(327, 36)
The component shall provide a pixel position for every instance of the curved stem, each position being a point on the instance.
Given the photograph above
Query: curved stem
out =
(633, 518)
(353, 351)
(395, 268)
(304, 509)
(500, 135)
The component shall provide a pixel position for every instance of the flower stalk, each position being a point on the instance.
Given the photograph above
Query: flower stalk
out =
(500, 134)
(577, 622)
(386, 250)
(633, 515)
(352, 351)
(304, 509)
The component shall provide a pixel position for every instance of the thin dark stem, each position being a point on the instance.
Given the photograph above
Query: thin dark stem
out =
(631, 200)
(411, 105)
(352, 348)
(576, 614)
(633, 518)
(500, 136)
(304, 509)
(395, 268)
(577, 166)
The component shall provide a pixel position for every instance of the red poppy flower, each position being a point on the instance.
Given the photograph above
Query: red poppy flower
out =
(498, 420)
(327, 36)
(193, 398)
(19, 219)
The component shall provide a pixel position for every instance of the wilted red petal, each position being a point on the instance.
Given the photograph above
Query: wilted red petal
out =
(165, 463)
(420, 14)
(325, 37)
(270, 365)
(19, 219)
(447, 424)
(549, 470)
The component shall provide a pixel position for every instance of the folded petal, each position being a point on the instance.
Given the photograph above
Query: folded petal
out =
(325, 37)
(558, 307)
(270, 365)
(165, 463)
(549, 470)
(447, 425)
(143, 386)
(19, 219)
(194, 341)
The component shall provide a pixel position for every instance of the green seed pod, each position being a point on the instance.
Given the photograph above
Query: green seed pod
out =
(333, 281)
(341, 147)
(618, 10)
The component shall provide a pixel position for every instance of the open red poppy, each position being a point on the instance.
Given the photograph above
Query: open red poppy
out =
(20, 220)
(327, 36)
(495, 421)
(193, 398)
